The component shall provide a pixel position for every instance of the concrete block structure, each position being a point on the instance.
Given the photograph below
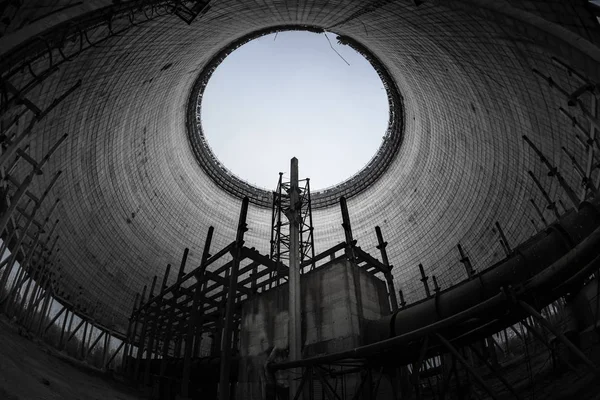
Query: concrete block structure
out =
(337, 301)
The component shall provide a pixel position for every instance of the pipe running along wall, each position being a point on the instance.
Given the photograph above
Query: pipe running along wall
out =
(541, 269)
(527, 260)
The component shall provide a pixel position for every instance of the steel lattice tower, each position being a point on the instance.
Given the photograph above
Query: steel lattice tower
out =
(280, 223)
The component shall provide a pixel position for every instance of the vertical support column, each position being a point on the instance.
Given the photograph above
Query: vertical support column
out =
(310, 219)
(192, 337)
(503, 240)
(172, 311)
(594, 132)
(200, 320)
(542, 321)
(466, 262)
(41, 276)
(62, 332)
(13, 256)
(539, 212)
(128, 355)
(154, 331)
(84, 337)
(402, 301)
(128, 335)
(226, 341)
(388, 275)
(35, 270)
(347, 229)
(424, 279)
(436, 287)
(45, 305)
(553, 171)
(294, 332)
(141, 343)
(14, 201)
(105, 349)
(25, 184)
(551, 204)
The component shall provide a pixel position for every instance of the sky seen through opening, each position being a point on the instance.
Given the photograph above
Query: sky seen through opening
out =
(290, 95)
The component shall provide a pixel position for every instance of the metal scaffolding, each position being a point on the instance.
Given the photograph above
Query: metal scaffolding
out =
(281, 218)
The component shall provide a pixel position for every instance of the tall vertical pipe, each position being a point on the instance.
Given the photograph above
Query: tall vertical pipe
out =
(294, 273)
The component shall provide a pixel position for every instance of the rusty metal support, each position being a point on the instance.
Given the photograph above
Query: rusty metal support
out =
(62, 331)
(424, 279)
(544, 322)
(84, 337)
(503, 240)
(42, 275)
(310, 221)
(586, 182)
(189, 339)
(129, 333)
(13, 256)
(54, 319)
(594, 134)
(347, 229)
(539, 212)
(95, 342)
(436, 287)
(467, 366)
(464, 259)
(171, 314)
(35, 270)
(155, 326)
(114, 355)
(74, 331)
(40, 299)
(544, 341)
(18, 141)
(553, 171)
(226, 342)
(389, 278)
(14, 201)
(141, 343)
(128, 363)
(402, 302)
(105, 348)
(551, 204)
(24, 266)
(45, 308)
(200, 322)
(416, 366)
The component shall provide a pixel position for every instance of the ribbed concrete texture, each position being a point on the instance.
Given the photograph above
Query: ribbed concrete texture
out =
(133, 195)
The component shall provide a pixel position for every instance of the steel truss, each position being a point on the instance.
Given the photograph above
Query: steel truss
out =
(195, 323)
(280, 224)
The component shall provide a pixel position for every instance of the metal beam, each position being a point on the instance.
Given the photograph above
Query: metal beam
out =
(294, 311)
(226, 342)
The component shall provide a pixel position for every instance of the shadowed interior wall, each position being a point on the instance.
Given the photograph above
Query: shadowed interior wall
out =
(133, 196)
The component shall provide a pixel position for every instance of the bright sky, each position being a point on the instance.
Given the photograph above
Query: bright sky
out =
(291, 95)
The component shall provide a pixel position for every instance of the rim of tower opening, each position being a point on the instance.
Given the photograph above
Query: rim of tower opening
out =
(357, 183)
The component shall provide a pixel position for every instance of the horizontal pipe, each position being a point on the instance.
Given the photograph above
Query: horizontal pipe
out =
(374, 348)
(547, 258)
(529, 258)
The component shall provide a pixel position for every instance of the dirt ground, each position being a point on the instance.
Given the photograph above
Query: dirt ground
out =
(29, 371)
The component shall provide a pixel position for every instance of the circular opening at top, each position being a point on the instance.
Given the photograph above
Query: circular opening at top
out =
(294, 94)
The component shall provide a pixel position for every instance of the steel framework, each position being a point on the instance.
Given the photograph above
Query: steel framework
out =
(280, 223)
